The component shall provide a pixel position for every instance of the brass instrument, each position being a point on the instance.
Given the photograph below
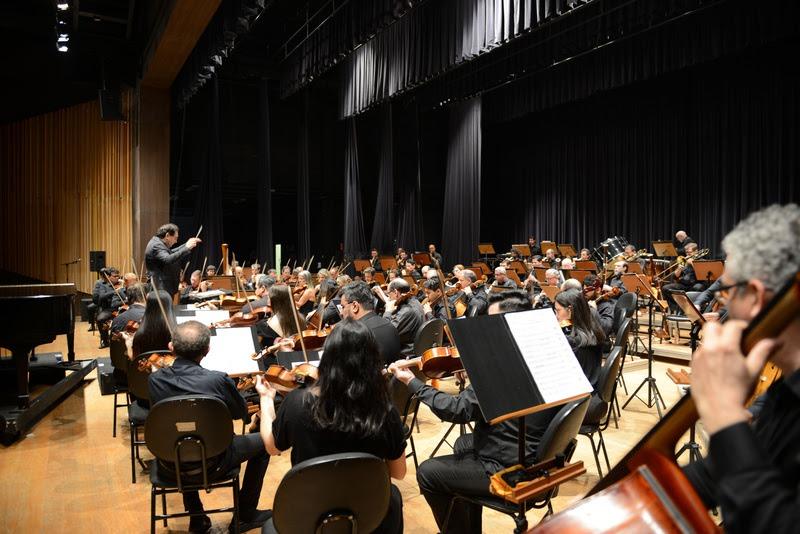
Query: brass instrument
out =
(680, 261)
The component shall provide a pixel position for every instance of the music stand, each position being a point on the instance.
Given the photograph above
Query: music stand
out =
(360, 265)
(422, 258)
(378, 277)
(586, 265)
(577, 274)
(708, 270)
(481, 267)
(665, 249)
(222, 282)
(540, 274)
(410, 280)
(519, 267)
(551, 292)
(638, 285)
(523, 249)
(544, 245)
(693, 314)
(387, 264)
(567, 250)
(634, 267)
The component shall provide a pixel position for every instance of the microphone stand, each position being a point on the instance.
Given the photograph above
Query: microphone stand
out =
(66, 268)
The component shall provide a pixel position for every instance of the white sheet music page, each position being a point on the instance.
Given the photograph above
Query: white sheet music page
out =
(207, 317)
(546, 351)
(230, 352)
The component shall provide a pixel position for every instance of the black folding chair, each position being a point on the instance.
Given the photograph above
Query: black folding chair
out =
(601, 408)
(188, 435)
(138, 373)
(119, 359)
(346, 492)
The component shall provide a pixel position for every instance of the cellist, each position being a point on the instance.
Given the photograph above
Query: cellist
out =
(752, 471)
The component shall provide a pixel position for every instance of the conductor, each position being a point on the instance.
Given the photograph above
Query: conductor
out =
(163, 261)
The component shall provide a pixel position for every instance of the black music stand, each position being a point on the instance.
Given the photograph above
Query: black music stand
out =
(638, 285)
(693, 314)
(708, 270)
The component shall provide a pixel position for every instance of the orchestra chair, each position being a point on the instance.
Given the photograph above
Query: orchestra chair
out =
(621, 340)
(119, 359)
(601, 407)
(407, 405)
(346, 492)
(625, 308)
(196, 429)
(137, 414)
(559, 438)
(680, 318)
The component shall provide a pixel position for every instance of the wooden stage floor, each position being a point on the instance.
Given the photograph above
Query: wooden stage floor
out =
(69, 475)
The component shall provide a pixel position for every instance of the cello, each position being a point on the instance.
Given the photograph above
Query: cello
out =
(646, 488)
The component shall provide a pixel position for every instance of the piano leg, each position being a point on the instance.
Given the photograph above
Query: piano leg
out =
(21, 360)
(71, 346)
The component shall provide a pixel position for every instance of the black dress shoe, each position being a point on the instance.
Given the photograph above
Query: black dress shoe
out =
(199, 524)
(257, 520)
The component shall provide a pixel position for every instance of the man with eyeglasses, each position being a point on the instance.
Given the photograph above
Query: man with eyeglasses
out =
(358, 302)
(405, 313)
(752, 471)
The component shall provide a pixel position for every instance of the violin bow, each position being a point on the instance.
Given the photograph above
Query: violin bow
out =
(296, 316)
(161, 307)
(122, 301)
(133, 266)
(183, 271)
(440, 276)
(203, 269)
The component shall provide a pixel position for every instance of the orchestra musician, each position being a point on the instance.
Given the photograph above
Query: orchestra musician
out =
(358, 303)
(410, 269)
(375, 260)
(550, 258)
(104, 296)
(163, 259)
(476, 298)
(476, 456)
(752, 470)
(434, 305)
(348, 409)
(535, 248)
(685, 279)
(405, 313)
(584, 334)
(238, 272)
(255, 270)
(286, 274)
(436, 258)
(211, 270)
(190, 344)
(280, 324)
(501, 279)
(326, 293)
(369, 277)
(135, 312)
(680, 241)
(615, 281)
(305, 293)
(592, 291)
(585, 255)
(261, 291)
(196, 285)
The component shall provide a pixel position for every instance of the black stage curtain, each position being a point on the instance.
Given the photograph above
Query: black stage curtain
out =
(435, 37)
(208, 211)
(462, 197)
(384, 204)
(303, 187)
(408, 146)
(264, 182)
(354, 241)
(697, 150)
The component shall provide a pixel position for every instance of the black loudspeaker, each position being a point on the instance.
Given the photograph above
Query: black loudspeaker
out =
(97, 260)
(111, 105)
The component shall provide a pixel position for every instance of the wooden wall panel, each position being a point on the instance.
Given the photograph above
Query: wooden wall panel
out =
(65, 189)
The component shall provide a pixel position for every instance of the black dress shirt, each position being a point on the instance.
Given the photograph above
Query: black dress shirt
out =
(385, 335)
(164, 264)
(134, 313)
(495, 445)
(407, 320)
(186, 377)
(616, 281)
(753, 472)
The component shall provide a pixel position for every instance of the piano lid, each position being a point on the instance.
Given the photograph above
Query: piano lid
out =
(28, 290)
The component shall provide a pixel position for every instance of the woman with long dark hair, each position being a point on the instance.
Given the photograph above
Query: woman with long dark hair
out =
(281, 324)
(586, 336)
(348, 409)
(154, 332)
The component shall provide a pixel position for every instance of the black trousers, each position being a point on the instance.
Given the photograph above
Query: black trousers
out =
(248, 448)
(102, 317)
(462, 472)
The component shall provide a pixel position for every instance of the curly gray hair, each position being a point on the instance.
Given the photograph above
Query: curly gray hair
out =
(765, 246)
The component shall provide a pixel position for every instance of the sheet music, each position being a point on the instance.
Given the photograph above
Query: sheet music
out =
(546, 351)
(230, 351)
(204, 316)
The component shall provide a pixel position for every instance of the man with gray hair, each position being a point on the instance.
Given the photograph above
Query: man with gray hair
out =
(405, 313)
(681, 240)
(752, 470)
(358, 303)
(190, 343)
(262, 285)
(476, 298)
(501, 279)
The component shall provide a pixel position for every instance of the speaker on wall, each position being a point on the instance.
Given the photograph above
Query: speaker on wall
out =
(97, 260)
(111, 105)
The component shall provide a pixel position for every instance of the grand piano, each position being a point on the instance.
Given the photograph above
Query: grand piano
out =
(32, 315)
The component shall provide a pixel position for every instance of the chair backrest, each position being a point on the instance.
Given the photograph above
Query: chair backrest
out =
(623, 332)
(562, 430)
(185, 422)
(627, 303)
(119, 354)
(608, 375)
(404, 402)
(430, 334)
(332, 487)
(138, 373)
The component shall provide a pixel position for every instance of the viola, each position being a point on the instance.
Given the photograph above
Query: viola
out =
(439, 362)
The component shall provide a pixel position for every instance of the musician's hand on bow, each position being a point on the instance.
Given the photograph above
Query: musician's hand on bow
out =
(722, 378)
(193, 242)
(401, 373)
(265, 389)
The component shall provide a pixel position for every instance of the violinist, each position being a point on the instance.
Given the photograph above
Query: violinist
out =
(333, 416)
(255, 270)
(603, 303)
(685, 280)
(281, 324)
(475, 456)
(468, 289)
(410, 269)
(584, 333)
(436, 258)
(304, 293)
(135, 312)
(196, 285)
(334, 272)
(186, 376)
(261, 291)
(211, 270)
(401, 257)
(163, 261)
(434, 304)
(106, 296)
(405, 313)
(358, 303)
(155, 331)
(286, 274)
(752, 471)
(536, 250)
(501, 279)
(369, 277)
(374, 260)
(328, 290)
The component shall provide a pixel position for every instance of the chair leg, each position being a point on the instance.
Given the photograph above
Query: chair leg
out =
(236, 505)
(603, 446)
(133, 458)
(596, 453)
(114, 430)
(414, 452)
(164, 507)
(152, 510)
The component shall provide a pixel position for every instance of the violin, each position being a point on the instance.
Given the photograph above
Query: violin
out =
(566, 326)
(313, 339)
(131, 327)
(240, 319)
(638, 486)
(155, 362)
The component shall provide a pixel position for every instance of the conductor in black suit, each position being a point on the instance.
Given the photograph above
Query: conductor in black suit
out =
(358, 303)
(163, 261)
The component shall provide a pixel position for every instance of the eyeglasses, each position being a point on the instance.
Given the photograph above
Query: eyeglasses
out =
(724, 293)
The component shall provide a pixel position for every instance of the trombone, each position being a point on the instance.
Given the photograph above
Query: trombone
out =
(680, 261)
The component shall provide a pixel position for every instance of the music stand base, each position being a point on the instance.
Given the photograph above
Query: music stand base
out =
(653, 395)
(692, 447)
